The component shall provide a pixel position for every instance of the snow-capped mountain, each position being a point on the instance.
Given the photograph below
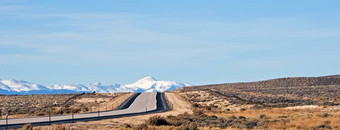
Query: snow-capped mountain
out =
(98, 87)
(150, 84)
(147, 84)
(19, 85)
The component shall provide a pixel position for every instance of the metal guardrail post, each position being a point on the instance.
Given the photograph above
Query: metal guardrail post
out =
(6, 121)
(61, 111)
(98, 113)
(72, 117)
(49, 117)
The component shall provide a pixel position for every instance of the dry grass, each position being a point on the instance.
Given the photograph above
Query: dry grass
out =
(287, 103)
(108, 103)
(20, 106)
(180, 105)
(280, 118)
(296, 117)
(282, 92)
(210, 101)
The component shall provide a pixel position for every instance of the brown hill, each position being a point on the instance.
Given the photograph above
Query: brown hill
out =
(279, 92)
(281, 82)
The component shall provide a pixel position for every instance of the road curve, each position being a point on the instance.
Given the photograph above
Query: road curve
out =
(143, 103)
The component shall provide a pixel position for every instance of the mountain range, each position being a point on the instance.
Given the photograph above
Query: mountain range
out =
(147, 84)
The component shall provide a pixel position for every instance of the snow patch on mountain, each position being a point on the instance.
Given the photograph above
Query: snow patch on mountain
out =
(150, 84)
(19, 86)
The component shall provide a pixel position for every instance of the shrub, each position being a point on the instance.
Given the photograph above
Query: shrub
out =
(327, 122)
(198, 112)
(142, 127)
(171, 116)
(191, 126)
(242, 118)
(27, 127)
(185, 113)
(325, 115)
(233, 117)
(125, 125)
(175, 122)
(40, 114)
(262, 116)
(58, 127)
(251, 124)
(224, 125)
(207, 107)
(157, 121)
(323, 127)
(197, 105)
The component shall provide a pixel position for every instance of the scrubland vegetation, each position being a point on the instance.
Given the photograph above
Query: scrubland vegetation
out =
(278, 92)
(19, 106)
(287, 103)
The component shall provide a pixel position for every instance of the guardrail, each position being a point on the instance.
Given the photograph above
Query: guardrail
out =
(49, 120)
(162, 105)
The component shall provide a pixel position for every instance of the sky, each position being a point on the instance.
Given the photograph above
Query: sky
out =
(195, 41)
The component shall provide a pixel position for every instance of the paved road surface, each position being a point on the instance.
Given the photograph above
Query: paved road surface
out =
(144, 102)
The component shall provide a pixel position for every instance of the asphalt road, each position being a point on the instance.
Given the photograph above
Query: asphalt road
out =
(143, 103)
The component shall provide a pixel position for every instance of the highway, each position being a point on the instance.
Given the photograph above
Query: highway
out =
(143, 103)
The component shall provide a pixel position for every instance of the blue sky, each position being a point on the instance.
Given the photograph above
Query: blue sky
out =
(195, 41)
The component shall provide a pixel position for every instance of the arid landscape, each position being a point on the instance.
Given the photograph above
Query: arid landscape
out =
(287, 103)
(169, 65)
(19, 106)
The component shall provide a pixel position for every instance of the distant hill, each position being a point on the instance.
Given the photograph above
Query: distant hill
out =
(280, 92)
(280, 82)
